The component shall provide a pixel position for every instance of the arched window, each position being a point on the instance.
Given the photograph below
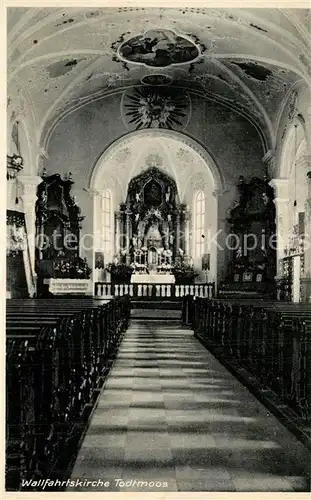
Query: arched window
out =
(199, 223)
(106, 224)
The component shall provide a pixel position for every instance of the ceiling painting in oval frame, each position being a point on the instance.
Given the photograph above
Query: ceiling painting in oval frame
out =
(159, 49)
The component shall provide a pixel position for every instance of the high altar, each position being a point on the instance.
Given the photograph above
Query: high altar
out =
(152, 227)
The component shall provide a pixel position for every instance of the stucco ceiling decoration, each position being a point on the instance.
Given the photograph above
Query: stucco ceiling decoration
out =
(248, 58)
(154, 160)
(156, 80)
(156, 107)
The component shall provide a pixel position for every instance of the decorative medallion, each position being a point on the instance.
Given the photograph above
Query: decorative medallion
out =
(156, 80)
(156, 107)
(154, 160)
(123, 155)
(159, 48)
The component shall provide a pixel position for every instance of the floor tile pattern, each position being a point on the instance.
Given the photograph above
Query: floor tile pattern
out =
(172, 418)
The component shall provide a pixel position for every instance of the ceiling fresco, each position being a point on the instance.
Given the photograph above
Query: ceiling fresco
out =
(159, 48)
(247, 59)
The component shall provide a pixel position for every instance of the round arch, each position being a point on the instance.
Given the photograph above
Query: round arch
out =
(179, 137)
(185, 160)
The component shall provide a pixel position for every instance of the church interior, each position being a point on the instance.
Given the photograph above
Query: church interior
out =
(158, 254)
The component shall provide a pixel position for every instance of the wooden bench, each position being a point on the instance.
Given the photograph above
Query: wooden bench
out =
(270, 340)
(57, 356)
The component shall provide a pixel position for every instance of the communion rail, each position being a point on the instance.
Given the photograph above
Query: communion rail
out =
(154, 290)
(54, 374)
(271, 342)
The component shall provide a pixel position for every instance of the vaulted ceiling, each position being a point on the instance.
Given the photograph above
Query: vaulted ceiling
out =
(250, 59)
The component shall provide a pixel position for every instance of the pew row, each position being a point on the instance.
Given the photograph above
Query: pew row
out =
(58, 355)
(269, 340)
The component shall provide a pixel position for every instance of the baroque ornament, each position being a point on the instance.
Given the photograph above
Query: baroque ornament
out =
(150, 107)
(154, 160)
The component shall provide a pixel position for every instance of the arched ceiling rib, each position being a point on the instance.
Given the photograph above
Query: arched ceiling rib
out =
(251, 57)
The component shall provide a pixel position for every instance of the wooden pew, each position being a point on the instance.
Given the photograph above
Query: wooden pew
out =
(57, 356)
(271, 341)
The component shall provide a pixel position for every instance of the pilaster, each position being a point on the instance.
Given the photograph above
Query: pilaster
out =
(28, 195)
(187, 216)
(28, 185)
(281, 200)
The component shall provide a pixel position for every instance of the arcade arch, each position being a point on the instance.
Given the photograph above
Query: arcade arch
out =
(175, 155)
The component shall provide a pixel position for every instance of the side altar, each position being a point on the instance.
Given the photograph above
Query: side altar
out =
(252, 261)
(59, 267)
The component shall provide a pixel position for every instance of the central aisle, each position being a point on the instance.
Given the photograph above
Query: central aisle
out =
(172, 417)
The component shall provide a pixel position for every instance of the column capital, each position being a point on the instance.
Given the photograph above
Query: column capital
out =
(280, 187)
(29, 185)
(92, 192)
(30, 180)
(217, 192)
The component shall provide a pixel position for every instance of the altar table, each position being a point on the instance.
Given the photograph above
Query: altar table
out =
(154, 278)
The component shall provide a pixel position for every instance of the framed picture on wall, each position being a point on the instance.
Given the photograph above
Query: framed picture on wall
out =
(206, 262)
(99, 260)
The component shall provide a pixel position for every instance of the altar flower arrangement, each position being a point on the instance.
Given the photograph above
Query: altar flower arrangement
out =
(184, 273)
(138, 268)
(16, 239)
(120, 272)
(168, 253)
(164, 268)
(76, 268)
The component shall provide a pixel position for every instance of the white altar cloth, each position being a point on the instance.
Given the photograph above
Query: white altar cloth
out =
(153, 278)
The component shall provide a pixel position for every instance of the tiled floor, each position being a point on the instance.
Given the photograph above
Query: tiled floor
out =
(172, 418)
